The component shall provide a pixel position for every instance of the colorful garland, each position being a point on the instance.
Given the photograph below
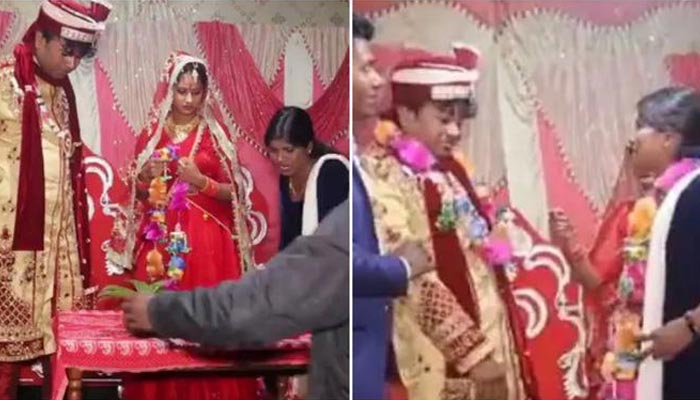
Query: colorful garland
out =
(619, 367)
(620, 363)
(494, 246)
(157, 230)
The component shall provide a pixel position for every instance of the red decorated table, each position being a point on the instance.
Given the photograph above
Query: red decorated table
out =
(98, 341)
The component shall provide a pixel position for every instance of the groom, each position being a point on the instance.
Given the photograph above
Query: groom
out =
(44, 238)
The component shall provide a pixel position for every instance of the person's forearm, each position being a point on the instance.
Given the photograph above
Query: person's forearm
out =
(225, 192)
(303, 288)
(221, 316)
(582, 271)
(212, 188)
(377, 275)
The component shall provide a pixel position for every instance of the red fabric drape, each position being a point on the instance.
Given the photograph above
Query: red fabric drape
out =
(244, 90)
(6, 20)
(684, 69)
(331, 112)
(251, 101)
(9, 380)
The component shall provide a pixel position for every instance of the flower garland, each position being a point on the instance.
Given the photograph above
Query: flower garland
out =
(494, 246)
(635, 250)
(619, 367)
(620, 363)
(157, 230)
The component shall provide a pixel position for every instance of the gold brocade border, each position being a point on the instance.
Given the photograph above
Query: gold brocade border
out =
(21, 351)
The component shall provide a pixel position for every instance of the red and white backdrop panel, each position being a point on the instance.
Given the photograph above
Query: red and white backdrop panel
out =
(560, 81)
(261, 55)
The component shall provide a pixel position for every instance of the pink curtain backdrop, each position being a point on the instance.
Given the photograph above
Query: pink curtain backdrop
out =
(277, 84)
(7, 18)
(252, 103)
(118, 139)
(330, 111)
(685, 69)
(562, 190)
(248, 98)
(494, 13)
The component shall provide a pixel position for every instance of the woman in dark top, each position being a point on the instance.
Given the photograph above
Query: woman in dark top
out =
(313, 178)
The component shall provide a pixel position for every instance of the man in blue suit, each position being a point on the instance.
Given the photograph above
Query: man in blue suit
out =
(376, 278)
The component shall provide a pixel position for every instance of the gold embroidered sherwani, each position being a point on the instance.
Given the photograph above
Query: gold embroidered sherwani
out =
(494, 318)
(34, 284)
(431, 333)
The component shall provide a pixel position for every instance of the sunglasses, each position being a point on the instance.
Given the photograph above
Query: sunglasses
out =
(77, 49)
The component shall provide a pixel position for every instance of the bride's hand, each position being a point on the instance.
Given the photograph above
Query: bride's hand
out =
(188, 172)
(561, 230)
(152, 169)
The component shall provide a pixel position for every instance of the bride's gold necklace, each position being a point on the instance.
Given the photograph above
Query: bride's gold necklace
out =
(179, 133)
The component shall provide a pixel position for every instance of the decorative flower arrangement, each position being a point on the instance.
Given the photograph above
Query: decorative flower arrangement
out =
(621, 362)
(494, 246)
(385, 131)
(636, 250)
(676, 172)
(157, 230)
(409, 151)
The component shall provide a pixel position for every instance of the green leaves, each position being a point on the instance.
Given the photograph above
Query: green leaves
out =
(122, 292)
(116, 291)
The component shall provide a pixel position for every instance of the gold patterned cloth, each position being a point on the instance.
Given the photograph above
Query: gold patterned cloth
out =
(494, 318)
(433, 337)
(35, 283)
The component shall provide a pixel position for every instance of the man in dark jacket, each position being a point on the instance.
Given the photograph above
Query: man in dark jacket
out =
(304, 288)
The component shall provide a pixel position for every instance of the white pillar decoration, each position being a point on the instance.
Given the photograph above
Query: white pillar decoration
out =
(521, 149)
(298, 73)
(83, 80)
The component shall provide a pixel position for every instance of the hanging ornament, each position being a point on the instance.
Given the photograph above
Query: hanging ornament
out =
(177, 247)
(178, 197)
(158, 192)
(157, 229)
(154, 264)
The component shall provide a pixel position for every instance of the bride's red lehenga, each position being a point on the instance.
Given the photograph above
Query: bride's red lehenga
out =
(214, 256)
